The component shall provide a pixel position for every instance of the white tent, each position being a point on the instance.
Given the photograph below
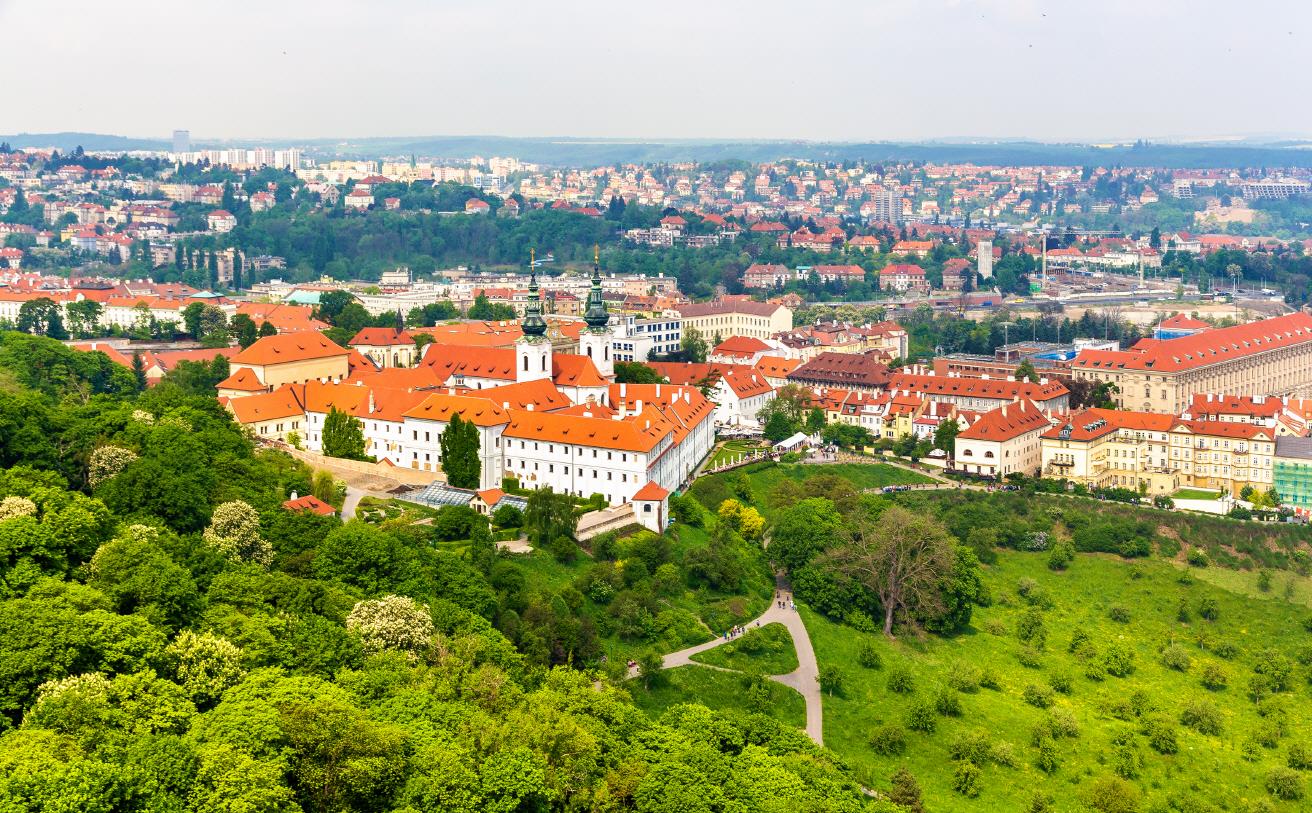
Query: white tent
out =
(789, 444)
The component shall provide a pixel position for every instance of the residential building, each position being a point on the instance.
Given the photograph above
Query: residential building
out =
(1292, 473)
(849, 371)
(1003, 441)
(387, 347)
(903, 277)
(736, 317)
(290, 358)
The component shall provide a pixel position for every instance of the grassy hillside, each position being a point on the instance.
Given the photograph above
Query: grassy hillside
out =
(761, 479)
(1048, 716)
(723, 691)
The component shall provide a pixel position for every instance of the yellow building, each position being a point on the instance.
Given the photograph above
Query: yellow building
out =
(725, 318)
(270, 415)
(1271, 357)
(290, 358)
(1109, 448)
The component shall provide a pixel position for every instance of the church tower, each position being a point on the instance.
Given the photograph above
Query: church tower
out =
(533, 350)
(595, 341)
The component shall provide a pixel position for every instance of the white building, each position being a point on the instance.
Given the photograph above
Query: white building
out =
(1003, 441)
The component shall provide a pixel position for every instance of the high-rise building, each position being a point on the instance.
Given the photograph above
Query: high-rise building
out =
(985, 250)
(181, 141)
(886, 206)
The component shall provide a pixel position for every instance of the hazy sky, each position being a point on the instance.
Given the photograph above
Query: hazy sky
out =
(820, 69)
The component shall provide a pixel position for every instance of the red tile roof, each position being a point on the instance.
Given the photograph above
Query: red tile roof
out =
(310, 503)
(1007, 422)
(1208, 347)
(286, 347)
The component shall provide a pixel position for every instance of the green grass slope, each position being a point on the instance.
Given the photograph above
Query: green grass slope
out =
(722, 691)
(764, 651)
(1094, 727)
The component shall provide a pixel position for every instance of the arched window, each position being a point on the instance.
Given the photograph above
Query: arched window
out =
(988, 454)
(544, 364)
(526, 363)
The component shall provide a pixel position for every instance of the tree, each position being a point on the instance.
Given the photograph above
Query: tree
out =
(459, 449)
(548, 516)
(213, 327)
(191, 319)
(815, 421)
(694, 346)
(395, 623)
(482, 308)
(84, 317)
(205, 665)
(42, 316)
(244, 330)
(234, 530)
(902, 558)
(778, 427)
(1025, 371)
(343, 436)
(945, 434)
(632, 372)
(267, 329)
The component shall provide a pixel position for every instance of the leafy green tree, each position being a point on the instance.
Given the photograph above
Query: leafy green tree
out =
(945, 434)
(1025, 371)
(42, 316)
(243, 330)
(343, 436)
(815, 421)
(548, 516)
(778, 427)
(459, 445)
(138, 370)
(632, 372)
(694, 346)
(267, 329)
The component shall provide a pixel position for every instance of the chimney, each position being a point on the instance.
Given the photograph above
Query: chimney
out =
(623, 390)
(294, 495)
(658, 390)
(505, 405)
(637, 410)
(529, 406)
(1004, 410)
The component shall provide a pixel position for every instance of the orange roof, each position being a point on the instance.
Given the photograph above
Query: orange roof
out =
(746, 382)
(1095, 423)
(244, 379)
(540, 396)
(590, 409)
(639, 434)
(403, 378)
(168, 359)
(101, 347)
(1206, 404)
(321, 397)
(651, 492)
(286, 318)
(1227, 429)
(479, 411)
(1007, 422)
(776, 366)
(490, 496)
(1207, 347)
(1182, 322)
(476, 362)
(288, 347)
(741, 345)
(310, 503)
(995, 388)
(569, 370)
(382, 337)
(268, 406)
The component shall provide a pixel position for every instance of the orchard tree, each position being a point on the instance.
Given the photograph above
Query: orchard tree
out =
(234, 530)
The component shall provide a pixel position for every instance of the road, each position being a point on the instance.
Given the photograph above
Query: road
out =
(805, 678)
(353, 497)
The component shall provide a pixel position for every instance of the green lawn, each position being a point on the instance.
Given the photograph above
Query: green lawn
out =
(1284, 585)
(722, 691)
(731, 450)
(1195, 494)
(764, 651)
(1208, 769)
(714, 489)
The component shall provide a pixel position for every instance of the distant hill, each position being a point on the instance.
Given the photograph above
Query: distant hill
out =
(592, 151)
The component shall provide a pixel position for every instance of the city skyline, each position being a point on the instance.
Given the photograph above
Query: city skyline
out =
(991, 69)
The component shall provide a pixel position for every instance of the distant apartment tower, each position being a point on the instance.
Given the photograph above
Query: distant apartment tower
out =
(886, 206)
(181, 141)
(985, 250)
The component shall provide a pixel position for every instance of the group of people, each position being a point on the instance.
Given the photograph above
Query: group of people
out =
(734, 632)
(784, 602)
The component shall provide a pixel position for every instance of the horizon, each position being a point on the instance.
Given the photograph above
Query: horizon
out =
(689, 71)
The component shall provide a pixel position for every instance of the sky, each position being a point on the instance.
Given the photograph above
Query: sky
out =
(825, 70)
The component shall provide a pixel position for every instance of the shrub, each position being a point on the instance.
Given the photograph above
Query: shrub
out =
(1038, 696)
(988, 679)
(1161, 736)
(1061, 556)
(1079, 640)
(1264, 580)
(1225, 649)
(1025, 586)
(1095, 670)
(921, 716)
(1061, 723)
(1118, 660)
(1175, 657)
(1110, 794)
(1250, 750)
(900, 680)
(1004, 754)
(947, 703)
(1207, 608)
(1214, 677)
(1030, 628)
(889, 740)
(964, 679)
(1276, 668)
(1061, 682)
(1202, 716)
(973, 747)
(1197, 557)
(1267, 734)
(1299, 757)
(1127, 761)
(1029, 657)
(1119, 614)
(1046, 759)
(966, 780)
(1182, 613)
(1285, 784)
(868, 656)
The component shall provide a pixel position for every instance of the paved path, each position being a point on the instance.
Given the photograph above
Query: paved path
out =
(353, 497)
(805, 678)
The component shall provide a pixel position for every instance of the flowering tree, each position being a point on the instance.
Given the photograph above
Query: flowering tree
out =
(12, 507)
(235, 530)
(391, 623)
(107, 461)
(205, 665)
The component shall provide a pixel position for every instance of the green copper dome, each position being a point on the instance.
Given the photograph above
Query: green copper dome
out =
(534, 326)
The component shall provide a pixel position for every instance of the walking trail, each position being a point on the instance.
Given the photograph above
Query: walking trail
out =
(805, 678)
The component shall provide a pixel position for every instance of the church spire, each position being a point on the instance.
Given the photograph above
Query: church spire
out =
(534, 326)
(596, 315)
